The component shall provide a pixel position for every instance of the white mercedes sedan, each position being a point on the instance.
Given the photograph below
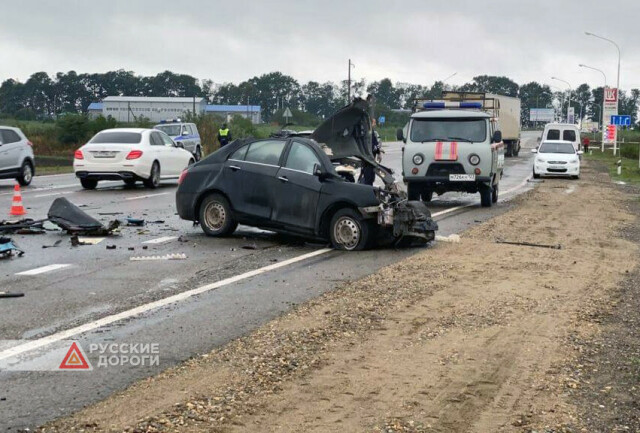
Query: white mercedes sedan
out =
(556, 158)
(130, 155)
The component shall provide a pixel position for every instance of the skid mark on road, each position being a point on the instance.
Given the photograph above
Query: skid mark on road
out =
(43, 269)
(68, 334)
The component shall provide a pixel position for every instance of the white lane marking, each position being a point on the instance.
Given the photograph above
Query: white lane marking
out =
(69, 333)
(161, 240)
(43, 269)
(453, 209)
(52, 193)
(146, 196)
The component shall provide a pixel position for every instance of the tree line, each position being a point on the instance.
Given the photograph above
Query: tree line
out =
(44, 97)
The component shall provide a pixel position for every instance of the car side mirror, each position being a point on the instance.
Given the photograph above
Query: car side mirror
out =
(318, 171)
(180, 145)
(534, 150)
(399, 134)
(580, 152)
(497, 137)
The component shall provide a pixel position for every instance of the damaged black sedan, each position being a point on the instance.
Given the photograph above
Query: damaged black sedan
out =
(303, 186)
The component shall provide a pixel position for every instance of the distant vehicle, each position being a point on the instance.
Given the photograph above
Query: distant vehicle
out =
(289, 184)
(130, 155)
(562, 132)
(16, 156)
(453, 146)
(183, 133)
(556, 158)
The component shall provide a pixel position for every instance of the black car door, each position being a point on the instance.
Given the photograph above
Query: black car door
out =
(298, 189)
(250, 177)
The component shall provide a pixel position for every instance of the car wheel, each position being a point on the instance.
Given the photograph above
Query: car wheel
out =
(349, 231)
(89, 183)
(154, 176)
(26, 174)
(216, 216)
(494, 194)
(535, 175)
(576, 177)
(486, 194)
(198, 154)
(427, 195)
(516, 152)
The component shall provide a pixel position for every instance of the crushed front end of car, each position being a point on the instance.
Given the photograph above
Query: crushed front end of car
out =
(347, 135)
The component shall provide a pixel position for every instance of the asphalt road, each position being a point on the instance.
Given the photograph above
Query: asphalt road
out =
(75, 293)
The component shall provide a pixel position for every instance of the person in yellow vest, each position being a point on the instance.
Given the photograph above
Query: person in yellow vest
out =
(224, 135)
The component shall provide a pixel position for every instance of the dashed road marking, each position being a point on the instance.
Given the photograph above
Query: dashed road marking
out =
(161, 240)
(52, 193)
(146, 196)
(69, 333)
(43, 269)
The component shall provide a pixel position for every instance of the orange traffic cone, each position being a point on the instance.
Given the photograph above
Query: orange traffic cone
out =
(16, 207)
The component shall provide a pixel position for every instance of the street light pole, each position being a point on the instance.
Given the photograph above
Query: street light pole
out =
(570, 90)
(617, 81)
(604, 89)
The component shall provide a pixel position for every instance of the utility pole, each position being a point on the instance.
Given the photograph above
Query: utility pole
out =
(351, 65)
(194, 105)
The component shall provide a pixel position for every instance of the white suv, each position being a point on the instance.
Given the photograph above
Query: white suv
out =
(16, 156)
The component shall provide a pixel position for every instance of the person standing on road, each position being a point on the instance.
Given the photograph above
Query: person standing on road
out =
(224, 135)
(368, 173)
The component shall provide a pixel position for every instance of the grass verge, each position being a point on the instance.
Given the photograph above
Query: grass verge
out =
(630, 169)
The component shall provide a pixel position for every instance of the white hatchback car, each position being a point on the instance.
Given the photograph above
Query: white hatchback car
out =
(556, 158)
(130, 155)
(16, 156)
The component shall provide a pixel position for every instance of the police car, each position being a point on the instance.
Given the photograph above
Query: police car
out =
(185, 134)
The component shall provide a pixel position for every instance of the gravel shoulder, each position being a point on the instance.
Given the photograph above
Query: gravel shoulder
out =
(474, 336)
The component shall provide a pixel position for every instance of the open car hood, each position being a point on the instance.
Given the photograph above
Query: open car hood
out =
(348, 134)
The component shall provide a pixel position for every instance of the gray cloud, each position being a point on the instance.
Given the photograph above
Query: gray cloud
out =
(408, 41)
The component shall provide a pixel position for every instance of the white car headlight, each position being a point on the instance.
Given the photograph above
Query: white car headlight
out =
(418, 159)
(474, 159)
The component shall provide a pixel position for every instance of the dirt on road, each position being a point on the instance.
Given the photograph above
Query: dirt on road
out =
(475, 336)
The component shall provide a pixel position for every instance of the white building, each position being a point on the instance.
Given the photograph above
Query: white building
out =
(130, 108)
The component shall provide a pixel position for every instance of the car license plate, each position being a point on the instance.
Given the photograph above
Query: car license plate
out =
(462, 177)
(103, 154)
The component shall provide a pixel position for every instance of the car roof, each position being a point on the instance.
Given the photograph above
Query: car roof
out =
(440, 114)
(561, 125)
(138, 130)
(557, 142)
(13, 128)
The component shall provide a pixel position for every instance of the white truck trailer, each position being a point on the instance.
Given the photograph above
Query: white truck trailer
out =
(507, 110)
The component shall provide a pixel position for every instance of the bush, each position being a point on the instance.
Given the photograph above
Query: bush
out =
(73, 128)
(629, 150)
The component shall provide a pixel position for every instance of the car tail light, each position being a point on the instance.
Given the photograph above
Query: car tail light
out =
(29, 143)
(183, 175)
(78, 154)
(134, 154)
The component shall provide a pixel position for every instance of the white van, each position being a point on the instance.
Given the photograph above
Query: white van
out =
(562, 132)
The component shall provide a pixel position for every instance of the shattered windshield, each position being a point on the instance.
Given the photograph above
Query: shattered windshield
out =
(170, 130)
(473, 130)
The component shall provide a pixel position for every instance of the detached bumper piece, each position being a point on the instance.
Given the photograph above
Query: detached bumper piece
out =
(71, 218)
(413, 219)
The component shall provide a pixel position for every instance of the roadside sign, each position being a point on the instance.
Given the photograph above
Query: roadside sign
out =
(571, 115)
(621, 120)
(542, 114)
(381, 120)
(610, 108)
(287, 114)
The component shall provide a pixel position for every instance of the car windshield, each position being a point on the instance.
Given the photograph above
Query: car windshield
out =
(473, 130)
(117, 137)
(170, 130)
(556, 148)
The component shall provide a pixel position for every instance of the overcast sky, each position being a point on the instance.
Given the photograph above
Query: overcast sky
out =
(407, 41)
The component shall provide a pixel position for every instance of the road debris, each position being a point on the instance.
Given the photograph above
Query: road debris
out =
(177, 256)
(18, 225)
(55, 244)
(8, 248)
(137, 222)
(11, 294)
(111, 247)
(453, 238)
(530, 244)
(250, 247)
(75, 221)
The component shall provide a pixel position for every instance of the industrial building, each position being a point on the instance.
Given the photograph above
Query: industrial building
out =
(156, 109)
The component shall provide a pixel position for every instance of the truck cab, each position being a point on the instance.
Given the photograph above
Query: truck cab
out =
(452, 147)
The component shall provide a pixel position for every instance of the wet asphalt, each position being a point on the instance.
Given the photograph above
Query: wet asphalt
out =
(96, 283)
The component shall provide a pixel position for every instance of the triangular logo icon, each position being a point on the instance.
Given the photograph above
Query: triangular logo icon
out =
(75, 359)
